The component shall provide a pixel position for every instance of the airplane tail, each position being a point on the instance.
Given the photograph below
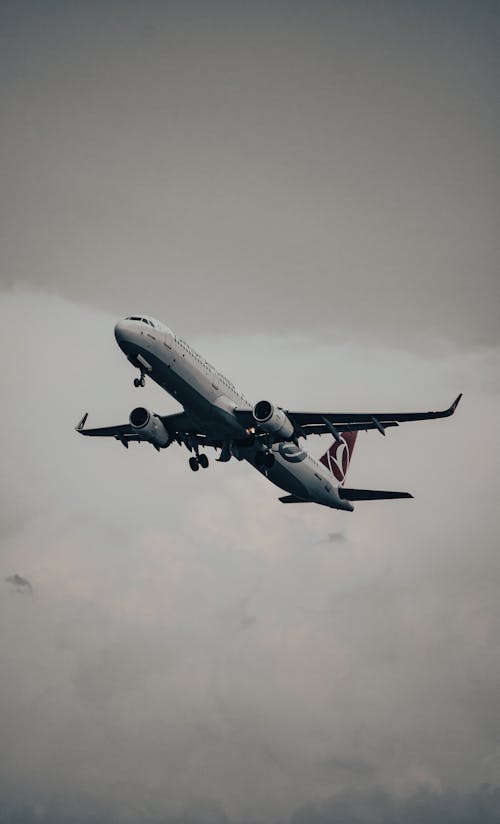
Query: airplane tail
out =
(337, 458)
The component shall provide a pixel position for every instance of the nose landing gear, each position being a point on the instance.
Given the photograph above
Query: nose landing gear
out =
(139, 381)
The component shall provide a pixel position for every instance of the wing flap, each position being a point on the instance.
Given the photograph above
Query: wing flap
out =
(321, 428)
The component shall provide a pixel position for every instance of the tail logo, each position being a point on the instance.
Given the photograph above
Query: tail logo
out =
(337, 458)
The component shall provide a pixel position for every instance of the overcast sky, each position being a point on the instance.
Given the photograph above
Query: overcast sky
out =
(308, 192)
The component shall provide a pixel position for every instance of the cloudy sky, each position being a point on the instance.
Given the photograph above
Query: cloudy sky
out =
(308, 192)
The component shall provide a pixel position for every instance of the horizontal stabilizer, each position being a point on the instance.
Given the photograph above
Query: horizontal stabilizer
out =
(369, 494)
(292, 499)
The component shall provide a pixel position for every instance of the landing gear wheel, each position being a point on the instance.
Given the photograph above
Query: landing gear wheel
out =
(193, 463)
(203, 461)
(268, 460)
(139, 381)
(259, 459)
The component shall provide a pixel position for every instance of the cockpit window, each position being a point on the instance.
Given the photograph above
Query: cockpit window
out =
(147, 321)
(142, 320)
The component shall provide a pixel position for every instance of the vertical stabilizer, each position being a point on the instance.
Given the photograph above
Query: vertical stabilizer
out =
(338, 456)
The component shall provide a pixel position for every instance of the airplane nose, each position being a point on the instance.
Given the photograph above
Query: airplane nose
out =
(120, 332)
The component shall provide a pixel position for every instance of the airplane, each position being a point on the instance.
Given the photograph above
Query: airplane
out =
(217, 415)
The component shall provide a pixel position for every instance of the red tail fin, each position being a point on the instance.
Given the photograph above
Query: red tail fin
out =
(338, 457)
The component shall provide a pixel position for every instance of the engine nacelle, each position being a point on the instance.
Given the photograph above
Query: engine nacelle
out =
(292, 453)
(149, 427)
(272, 419)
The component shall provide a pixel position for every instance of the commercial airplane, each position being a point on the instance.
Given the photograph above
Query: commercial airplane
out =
(215, 414)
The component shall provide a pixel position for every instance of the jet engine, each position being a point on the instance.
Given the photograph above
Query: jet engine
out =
(272, 419)
(149, 427)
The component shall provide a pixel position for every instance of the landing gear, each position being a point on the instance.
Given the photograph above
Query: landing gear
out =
(264, 459)
(268, 460)
(196, 461)
(139, 381)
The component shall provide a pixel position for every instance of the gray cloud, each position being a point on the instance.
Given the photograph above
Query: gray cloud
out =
(334, 538)
(376, 807)
(480, 806)
(19, 583)
(309, 193)
(195, 649)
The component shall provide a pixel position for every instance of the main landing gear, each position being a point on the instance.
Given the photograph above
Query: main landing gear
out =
(195, 462)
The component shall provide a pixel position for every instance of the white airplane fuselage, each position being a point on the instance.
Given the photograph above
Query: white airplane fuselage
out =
(210, 399)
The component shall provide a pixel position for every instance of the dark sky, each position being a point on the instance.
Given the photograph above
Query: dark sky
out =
(308, 192)
(331, 165)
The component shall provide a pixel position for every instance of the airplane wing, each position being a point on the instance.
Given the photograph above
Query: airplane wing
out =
(120, 431)
(178, 425)
(320, 423)
(173, 423)
(317, 423)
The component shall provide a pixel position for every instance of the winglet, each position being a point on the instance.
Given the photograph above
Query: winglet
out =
(455, 404)
(447, 412)
(81, 424)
